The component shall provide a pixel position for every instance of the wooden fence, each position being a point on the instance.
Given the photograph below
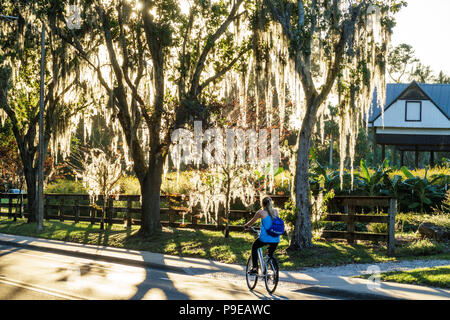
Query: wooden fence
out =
(350, 203)
(123, 209)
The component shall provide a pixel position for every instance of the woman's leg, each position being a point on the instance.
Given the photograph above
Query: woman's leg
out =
(255, 246)
(272, 248)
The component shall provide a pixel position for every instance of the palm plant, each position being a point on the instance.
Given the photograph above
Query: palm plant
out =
(372, 183)
(424, 192)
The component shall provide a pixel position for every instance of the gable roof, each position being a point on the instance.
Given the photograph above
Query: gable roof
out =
(439, 94)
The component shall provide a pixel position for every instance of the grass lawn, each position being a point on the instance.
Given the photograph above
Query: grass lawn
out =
(438, 277)
(212, 244)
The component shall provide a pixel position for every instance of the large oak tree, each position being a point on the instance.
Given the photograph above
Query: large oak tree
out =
(156, 66)
(348, 40)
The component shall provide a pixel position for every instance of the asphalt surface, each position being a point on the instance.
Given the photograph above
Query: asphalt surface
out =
(35, 275)
(202, 276)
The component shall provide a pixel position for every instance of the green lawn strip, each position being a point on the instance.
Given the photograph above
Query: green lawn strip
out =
(212, 244)
(438, 277)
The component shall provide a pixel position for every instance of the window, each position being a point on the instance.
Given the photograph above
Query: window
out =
(413, 111)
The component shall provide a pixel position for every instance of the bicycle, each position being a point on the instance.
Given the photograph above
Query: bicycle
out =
(268, 269)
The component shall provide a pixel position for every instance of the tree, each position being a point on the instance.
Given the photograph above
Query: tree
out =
(19, 90)
(421, 73)
(150, 51)
(11, 172)
(350, 41)
(442, 78)
(101, 172)
(399, 60)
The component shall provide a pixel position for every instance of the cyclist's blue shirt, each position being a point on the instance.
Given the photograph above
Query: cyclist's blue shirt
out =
(266, 223)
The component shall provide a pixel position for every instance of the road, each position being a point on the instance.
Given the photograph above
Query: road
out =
(31, 274)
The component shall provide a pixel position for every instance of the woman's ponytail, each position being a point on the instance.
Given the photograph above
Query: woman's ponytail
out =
(267, 204)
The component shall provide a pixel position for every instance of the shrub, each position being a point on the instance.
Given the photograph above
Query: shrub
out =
(377, 227)
(65, 186)
(409, 222)
(129, 185)
(420, 248)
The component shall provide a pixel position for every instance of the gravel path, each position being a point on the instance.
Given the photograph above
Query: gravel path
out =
(359, 269)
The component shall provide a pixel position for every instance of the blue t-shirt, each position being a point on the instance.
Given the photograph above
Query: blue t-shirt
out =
(266, 223)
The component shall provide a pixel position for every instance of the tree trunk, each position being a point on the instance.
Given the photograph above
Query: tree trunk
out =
(302, 236)
(151, 190)
(227, 207)
(30, 178)
(331, 152)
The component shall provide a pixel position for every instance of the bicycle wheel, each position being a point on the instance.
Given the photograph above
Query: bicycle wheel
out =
(252, 279)
(271, 277)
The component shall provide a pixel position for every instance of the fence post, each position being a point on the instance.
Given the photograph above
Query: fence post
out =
(391, 225)
(350, 223)
(194, 219)
(10, 206)
(109, 212)
(128, 218)
(47, 200)
(77, 210)
(92, 211)
(61, 209)
(171, 217)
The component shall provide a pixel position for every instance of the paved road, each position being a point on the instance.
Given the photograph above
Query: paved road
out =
(30, 274)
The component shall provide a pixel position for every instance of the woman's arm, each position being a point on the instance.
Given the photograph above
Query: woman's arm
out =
(253, 220)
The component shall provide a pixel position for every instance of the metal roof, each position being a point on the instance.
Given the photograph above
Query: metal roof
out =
(438, 93)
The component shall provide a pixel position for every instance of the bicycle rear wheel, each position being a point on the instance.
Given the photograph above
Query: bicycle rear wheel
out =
(252, 279)
(271, 277)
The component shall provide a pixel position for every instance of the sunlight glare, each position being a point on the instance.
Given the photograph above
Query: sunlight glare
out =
(185, 6)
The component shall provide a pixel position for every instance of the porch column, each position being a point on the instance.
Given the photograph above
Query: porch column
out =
(416, 158)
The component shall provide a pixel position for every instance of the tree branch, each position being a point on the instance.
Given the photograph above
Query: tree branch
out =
(221, 72)
(194, 91)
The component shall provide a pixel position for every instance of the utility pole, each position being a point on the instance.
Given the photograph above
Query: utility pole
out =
(40, 188)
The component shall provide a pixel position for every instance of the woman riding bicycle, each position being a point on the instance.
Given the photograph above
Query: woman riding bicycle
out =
(266, 214)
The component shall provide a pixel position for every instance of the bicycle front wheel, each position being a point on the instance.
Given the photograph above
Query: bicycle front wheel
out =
(252, 279)
(271, 277)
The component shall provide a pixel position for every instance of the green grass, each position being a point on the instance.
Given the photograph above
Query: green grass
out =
(438, 277)
(212, 244)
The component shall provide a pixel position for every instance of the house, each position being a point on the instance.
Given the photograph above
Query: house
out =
(416, 118)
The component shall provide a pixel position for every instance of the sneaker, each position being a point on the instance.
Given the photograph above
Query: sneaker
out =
(253, 271)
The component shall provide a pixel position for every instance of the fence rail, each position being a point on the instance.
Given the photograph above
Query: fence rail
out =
(350, 217)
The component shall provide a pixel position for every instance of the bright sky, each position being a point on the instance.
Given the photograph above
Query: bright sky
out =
(425, 25)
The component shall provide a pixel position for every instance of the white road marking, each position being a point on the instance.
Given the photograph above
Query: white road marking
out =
(40, 289)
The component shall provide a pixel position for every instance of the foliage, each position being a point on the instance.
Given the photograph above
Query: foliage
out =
(420, 248)
(423, 191)
(413, 190)
(436, 277)
(20, 52)
(129, 185)
(11, 171)
(445, 207)
(404, 66)
(409, 222)
(65, 186)
(289, 215)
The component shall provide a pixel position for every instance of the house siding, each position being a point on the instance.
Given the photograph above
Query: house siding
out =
(394, 117)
